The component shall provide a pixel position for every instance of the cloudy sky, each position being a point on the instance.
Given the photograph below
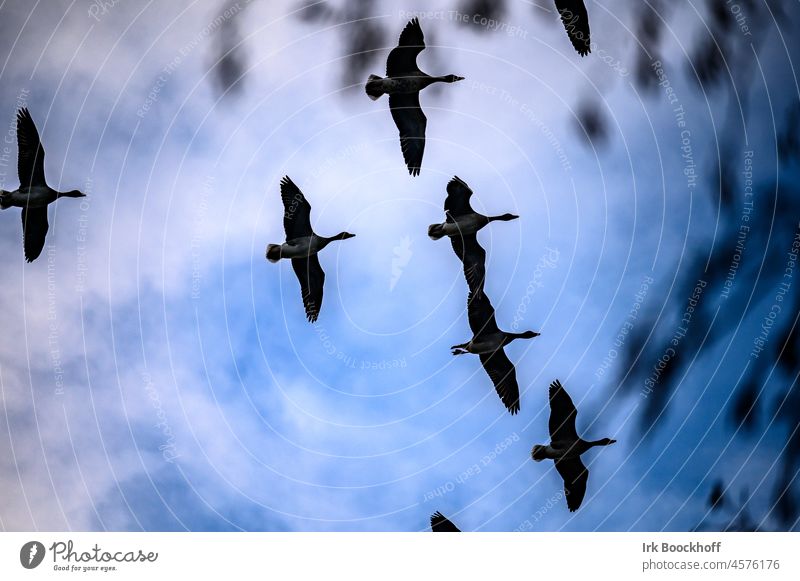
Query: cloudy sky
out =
(158, 374)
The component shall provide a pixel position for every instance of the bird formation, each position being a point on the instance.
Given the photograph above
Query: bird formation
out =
(403, 83)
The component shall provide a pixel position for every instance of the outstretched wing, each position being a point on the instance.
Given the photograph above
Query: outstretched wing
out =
(411, 123)
(402, 61)
(562, 414)
(312, 280)
(481, 314)
(441, 524)
(296, 211)
(457, 201)
(504, 377)
(473, 257)
(575, 476)
(30, 161)
(576, 22)
(34, 231)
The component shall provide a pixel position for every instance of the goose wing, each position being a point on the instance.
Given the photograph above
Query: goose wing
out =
(504, 377)
(34, 231)
(576, 22)
(441, 524)
(30, 160)
(312, 279)
(562, 414)
(457, 201)
(411, 123)
(402, 60)
(473, 257)
(575, 476)
(296, 211)
(481, 314)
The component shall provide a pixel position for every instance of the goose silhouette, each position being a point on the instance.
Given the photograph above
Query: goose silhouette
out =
(302, 246)
(565, 447)
(33, 194)
(462, 226)
(402, 83)
(488, 342)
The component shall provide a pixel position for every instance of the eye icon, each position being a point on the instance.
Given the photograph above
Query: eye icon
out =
(31, 554)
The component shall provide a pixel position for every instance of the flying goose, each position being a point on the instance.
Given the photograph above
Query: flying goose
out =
(488, 342)
(566, 447)
(576, 22)
(33, 195)
(462, 226)
(402, 83)
(302, 246)
(441, 524)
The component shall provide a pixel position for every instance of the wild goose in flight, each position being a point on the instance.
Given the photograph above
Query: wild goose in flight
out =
(576, 22)
(33, 195)
(462, 226)
(441, 524)
(302, 246)
(488, 342)
(566, 447)
(402, 83)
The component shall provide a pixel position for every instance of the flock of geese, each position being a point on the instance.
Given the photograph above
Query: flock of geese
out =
(403, 83)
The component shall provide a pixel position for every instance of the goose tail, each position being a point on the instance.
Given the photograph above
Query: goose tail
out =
(274, 252)
(539, 453)
(436, 231)
(374, 87)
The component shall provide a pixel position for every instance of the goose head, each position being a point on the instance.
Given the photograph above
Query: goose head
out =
(72, 194)
(528, 335)
(452, 78)
(503, 218)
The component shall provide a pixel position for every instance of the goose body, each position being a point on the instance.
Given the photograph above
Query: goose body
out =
(33, 194)
(488, 342)
(302, 247)
(403, 83)
(461, 225)
(33, 197)
(566, 447)
(407, 85)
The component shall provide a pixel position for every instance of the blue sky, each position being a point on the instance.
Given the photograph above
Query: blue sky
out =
(157, 373)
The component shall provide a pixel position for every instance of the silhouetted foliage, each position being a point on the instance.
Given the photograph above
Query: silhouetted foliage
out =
(745, 405)
(364, 37)
(716, 500)
(315, 11)
(489, 9)
(230, 60)
(592, 124)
